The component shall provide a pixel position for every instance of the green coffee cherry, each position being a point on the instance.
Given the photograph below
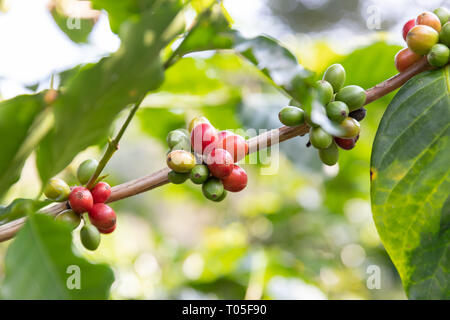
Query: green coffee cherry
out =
(180, 161)
(319, 138)
(177, 178)
(324, 91)
(443, 14)
(57, 190)
(176, 137)
(199, 174)
(353, 96)
(337, 111)
(335, 75)
(183, 145)
(90, 237)
(291, 116)
(444, 36)
(86, 170)
(351, 128)
(69, 217)
(439, 55)
(223, 196)
(421, 39)
(213, 189)
(330, 155)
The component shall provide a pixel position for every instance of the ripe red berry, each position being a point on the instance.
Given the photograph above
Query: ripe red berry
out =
(234, 144)
(236, 181)
(406, 58)
(346, 144)
(102, 216)
(203, 138)
(411, 23)
(220, 163)
(101, 192)
(107, 231)
(80, 200)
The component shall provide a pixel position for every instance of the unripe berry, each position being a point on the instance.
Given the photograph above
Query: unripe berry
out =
(180, 161)
(324, 91)
(80, 200)
(309, 121)
(212, 189)
(203, 138)
(406, 58)
(330, 155)
(234, 144)
(359, 114)
(70, 217)
(335, 75)
(291, 116)
(199, 174)
(102, 216)
(90, 237)
(337, 111)
(101, 192)
(222, 197)
(444, 36)
(177, 136)
(353, 96)
(319, 138)
(429, 19)
(408, 26)
(236, 181)
(346, 144)
(183, 145)
(421, 39)
(86, 170)
(438, 55)
(351, 128)
(197, 120)
(177, 177)
(220, 163)
(57, 190)
(443, 14)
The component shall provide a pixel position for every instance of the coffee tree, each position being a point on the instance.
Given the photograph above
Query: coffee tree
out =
(409, 166)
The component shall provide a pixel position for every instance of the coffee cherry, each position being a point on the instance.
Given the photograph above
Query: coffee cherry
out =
(351, 128)
(197, 120)
(57, 190)
(411, 23)
(429, 19)
(101, 192)
(80, 200)
(444, 36)
(309, 121)
(439, 55)
(421, 39)
(90, 237)
(291, 116)
(203, 138)
(70, 217)
(222, 197)
(330, 155)
(359, 114)
(443, 15)
(212, 189)
(180, 161)
(107, 231)
(406, 58)
(102, 216)
(236, 181)
(353, 96)
(234, 144)
(324, 91)
(220, 163)
(176, 137)
(183, 145)
(319, 138)
(199, 174)
(176, 177)
(86, 170)
(346, 144)
(337, 111)
(335, 75)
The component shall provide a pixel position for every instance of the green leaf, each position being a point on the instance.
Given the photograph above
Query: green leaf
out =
(96, 93)
(77, 30)
(19, 208)
(411, 183)
(19, 135)
(40, 264)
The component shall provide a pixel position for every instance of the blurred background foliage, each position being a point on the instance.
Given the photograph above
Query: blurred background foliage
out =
(305, 232)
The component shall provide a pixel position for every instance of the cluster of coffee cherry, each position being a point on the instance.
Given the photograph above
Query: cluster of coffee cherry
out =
(207, 157)
(343, 106)
(100, 217)
(428, 34)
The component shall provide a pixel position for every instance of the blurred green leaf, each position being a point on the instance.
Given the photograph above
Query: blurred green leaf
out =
(77, 30)
(19, 208)
(40, 264)
(410, 184)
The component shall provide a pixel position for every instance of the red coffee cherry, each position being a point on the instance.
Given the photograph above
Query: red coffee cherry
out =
(220, 163)
(107, 231)
(203, 138)
(411, 23)
(236, 181)
(80, 200)
(406, 58)
(234, 144)
(101, 192)
(346, 144)
(102, 216)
